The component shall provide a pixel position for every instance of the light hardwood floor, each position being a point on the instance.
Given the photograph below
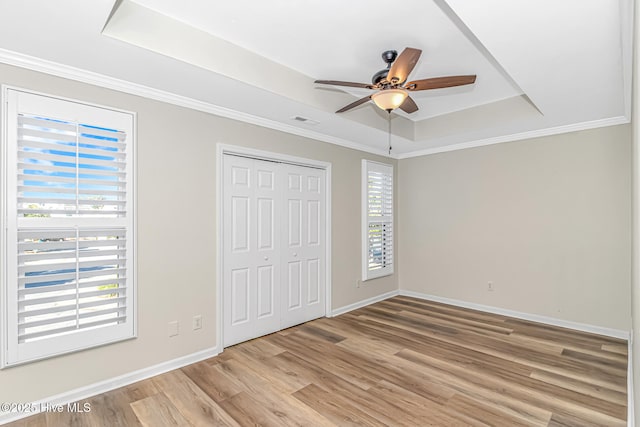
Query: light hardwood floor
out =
(400, 362)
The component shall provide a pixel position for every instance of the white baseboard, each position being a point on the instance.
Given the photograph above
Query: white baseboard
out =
(110, 384)
(609, 332)
(363, 303)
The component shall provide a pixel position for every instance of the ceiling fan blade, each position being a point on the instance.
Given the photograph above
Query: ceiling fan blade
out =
(409, 105)
(339, 83)
(403, 65)
(440, 82)
(354, 104)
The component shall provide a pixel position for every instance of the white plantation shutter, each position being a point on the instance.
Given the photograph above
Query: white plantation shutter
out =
(377, 181)
(69, 280)
(69, 168)
(68, 199)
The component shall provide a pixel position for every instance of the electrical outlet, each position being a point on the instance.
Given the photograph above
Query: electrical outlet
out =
(173, 328)
(197, 322)
(490, 287)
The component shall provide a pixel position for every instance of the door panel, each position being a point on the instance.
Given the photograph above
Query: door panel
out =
(304, 247)
(265, 224)
(295, 223)
(313, 281)
(251, 275)
(266, 179)
(240, 176)
(240, 224)
(239, 296)
(274, 251)
(313, 222)
(295, 181)
(294, 276)
(313, 184)
(265, 292)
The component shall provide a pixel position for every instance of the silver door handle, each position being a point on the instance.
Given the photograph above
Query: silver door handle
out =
(295, 254)
(266, 258)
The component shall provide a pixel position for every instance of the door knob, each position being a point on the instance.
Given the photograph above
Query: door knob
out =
(295, 254)
(266, 258)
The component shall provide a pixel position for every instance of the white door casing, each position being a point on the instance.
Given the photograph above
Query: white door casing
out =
(274, 273)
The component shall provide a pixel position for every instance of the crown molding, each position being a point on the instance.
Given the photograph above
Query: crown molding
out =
(612, 121)
(84, 76)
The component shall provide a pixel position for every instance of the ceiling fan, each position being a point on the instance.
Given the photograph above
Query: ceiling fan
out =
(392, 91)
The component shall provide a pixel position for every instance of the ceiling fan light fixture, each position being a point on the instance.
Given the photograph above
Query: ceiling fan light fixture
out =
(389, 99)
(392, 91)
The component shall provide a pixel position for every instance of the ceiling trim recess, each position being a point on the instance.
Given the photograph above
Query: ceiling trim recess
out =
(612, 121)
(84, 76)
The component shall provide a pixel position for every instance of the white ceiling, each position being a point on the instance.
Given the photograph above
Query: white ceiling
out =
(294, 34)
(543, 66)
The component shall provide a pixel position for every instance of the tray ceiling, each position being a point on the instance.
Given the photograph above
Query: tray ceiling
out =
(543, 67)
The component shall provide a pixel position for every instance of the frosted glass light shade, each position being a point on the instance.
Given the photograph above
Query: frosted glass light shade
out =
(389, 99)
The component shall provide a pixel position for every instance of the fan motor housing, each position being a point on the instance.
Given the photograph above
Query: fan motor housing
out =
(388, 56)
(379, 76)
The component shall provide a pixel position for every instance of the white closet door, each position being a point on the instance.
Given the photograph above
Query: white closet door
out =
(274, 250)
(252, 202)
(303, 222)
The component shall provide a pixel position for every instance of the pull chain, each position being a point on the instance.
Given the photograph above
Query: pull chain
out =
(389, 129)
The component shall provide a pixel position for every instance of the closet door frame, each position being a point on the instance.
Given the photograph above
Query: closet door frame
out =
(223, 149)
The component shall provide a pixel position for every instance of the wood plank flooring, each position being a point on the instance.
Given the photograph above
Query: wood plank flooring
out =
(400, 362)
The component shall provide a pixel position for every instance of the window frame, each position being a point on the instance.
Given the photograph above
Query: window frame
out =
(73, 110)
(367, 167)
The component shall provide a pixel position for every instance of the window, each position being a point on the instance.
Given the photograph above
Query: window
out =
(67, 232)
(377, 208)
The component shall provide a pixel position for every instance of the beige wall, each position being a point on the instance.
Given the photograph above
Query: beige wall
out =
(176, 255)
(547, 220)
